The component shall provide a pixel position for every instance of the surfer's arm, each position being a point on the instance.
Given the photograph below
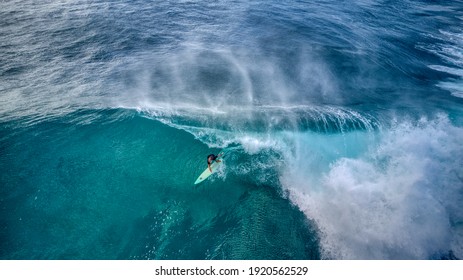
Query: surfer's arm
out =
(209, 166)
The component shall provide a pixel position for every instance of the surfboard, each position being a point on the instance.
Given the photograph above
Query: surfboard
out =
(214, 166)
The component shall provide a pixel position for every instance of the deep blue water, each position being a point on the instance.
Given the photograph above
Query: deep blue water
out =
(342, 122)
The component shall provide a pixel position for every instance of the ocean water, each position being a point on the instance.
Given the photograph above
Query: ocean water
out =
(342, 123)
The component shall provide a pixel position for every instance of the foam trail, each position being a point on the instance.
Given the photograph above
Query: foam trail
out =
(398, 198)
(450, 50)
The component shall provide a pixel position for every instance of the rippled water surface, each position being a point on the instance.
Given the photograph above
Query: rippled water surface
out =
(341, 123)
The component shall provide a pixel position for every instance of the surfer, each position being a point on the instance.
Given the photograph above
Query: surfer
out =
(210, 159)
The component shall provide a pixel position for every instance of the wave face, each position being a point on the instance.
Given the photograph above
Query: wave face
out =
(342, 126)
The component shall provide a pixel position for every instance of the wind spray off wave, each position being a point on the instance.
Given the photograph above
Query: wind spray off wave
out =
(376, 188)
(343, 123)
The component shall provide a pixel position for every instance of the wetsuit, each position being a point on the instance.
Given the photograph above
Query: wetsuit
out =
(214, 157)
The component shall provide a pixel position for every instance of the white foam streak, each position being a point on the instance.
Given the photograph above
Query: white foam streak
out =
(451, 52)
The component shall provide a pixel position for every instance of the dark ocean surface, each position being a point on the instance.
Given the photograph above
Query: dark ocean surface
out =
(342, 123)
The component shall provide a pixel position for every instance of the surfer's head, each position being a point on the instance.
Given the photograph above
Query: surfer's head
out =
(210, 158)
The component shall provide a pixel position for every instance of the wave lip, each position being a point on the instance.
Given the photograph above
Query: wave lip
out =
(322, 119)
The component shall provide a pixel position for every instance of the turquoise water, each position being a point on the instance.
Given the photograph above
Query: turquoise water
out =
(120, 186)
(342, 123)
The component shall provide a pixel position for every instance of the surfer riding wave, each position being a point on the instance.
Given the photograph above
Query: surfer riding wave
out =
(210, 159)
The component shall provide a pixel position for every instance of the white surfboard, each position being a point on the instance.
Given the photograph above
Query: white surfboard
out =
(214, 166)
